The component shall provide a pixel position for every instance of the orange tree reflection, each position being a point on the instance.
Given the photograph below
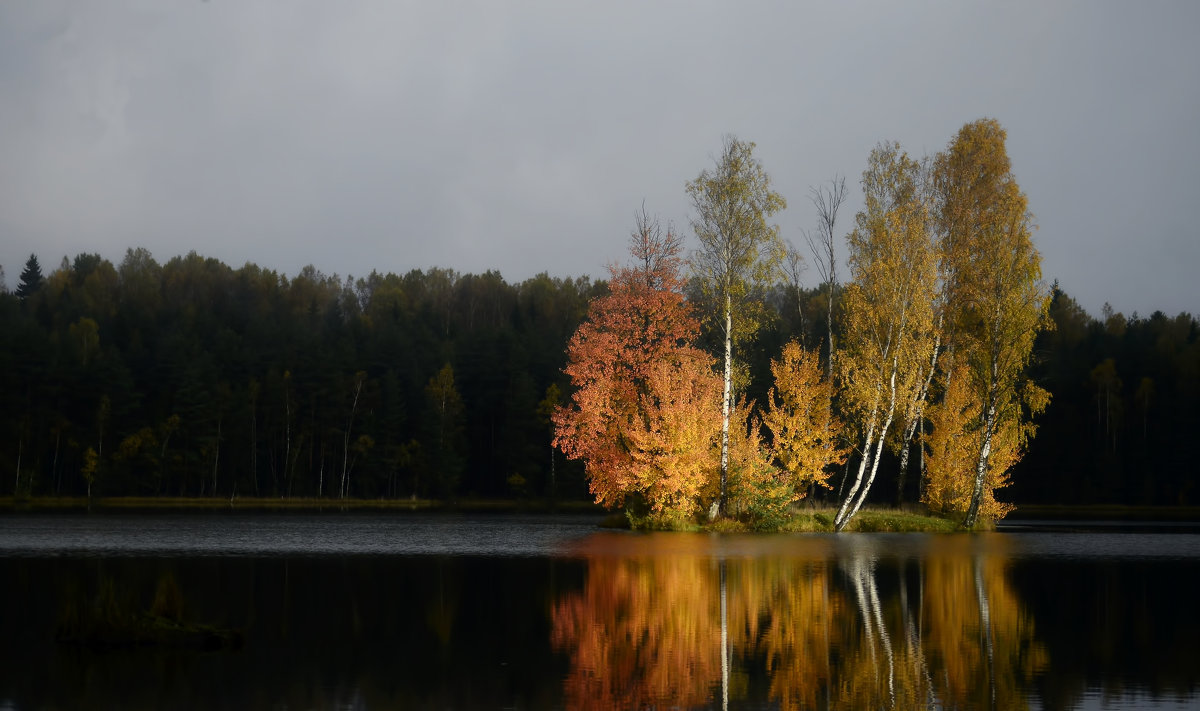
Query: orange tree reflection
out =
(806, 626)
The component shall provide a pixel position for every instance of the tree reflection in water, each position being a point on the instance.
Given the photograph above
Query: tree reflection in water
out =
(805, 627)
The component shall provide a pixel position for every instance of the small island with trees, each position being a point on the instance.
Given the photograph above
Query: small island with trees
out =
(703, 389)
(938, 324)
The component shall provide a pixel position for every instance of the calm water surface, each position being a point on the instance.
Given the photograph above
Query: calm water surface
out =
(436, 611)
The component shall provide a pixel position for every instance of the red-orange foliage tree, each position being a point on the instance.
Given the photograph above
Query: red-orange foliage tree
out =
(646, 408)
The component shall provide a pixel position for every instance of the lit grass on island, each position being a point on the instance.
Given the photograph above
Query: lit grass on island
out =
(868, 520)
(805, 521)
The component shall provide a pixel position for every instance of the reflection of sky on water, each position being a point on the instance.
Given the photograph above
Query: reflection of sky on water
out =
(428, 608)
(1130, 701)
(332, 533)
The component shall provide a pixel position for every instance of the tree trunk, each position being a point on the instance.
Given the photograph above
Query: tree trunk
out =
(829, 326)
(858, 493)
(921, 480)
(726, 402)
(918, 409)
(254, 445)
(216, 457)
(862, 496)
(17, 483)
(904, 453)
(553, 479)
(981, 467)
(287, 446)
(54, 466)
(845, 476)
(346, 438)
(840, 519)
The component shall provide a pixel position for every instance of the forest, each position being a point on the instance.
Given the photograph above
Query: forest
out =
(191, 378)
(195, 379)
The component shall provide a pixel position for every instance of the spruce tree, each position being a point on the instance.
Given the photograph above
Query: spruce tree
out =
(31, 278)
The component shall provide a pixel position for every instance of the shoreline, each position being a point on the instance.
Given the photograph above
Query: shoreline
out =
(816, 520)
(271, 504)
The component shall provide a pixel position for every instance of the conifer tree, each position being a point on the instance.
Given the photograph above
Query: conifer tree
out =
(31, 278)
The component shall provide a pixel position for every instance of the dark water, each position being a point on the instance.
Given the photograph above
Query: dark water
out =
(430, 611)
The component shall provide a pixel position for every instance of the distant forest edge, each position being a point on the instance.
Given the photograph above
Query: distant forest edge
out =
(192, 378)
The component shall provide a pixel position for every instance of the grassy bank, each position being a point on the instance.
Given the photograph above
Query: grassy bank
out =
(241, 503)
(871, 520)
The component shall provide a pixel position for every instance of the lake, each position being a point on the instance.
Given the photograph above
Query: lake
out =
(383, 611)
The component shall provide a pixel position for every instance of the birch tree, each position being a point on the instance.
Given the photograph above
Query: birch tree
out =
(888, 309)
(828, 200)
(739, 250)
(997, 300)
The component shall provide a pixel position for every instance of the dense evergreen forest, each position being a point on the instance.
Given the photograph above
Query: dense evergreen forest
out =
(192, 378)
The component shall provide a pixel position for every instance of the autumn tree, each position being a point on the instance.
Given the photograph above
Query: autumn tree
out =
(671, 439)
(805, 432)
(739, 250)
(997, 301)
(888, 313)
(644, 399)
(952, 450)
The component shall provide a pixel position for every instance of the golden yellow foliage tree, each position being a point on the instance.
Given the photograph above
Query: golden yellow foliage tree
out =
(805, 432)
(997, 300)
(953, 447)
(889, 309)
(671, 443)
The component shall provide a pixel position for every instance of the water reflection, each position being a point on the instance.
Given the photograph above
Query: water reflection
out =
(616, 620)
(819, 628)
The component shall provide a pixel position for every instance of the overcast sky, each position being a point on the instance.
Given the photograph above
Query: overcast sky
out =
(523, 136)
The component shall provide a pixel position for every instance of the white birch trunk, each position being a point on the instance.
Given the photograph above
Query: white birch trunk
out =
(839, 521)
(916, 412)
(879, 442)
(981, 468)
(726, 403)
(858, 493)
(346, 437)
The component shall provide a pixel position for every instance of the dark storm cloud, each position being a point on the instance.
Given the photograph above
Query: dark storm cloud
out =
(523, 136)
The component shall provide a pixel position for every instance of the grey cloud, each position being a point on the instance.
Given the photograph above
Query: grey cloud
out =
(522, 136)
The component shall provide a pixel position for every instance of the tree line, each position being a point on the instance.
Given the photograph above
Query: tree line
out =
(1125, 400)
(191, 378)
